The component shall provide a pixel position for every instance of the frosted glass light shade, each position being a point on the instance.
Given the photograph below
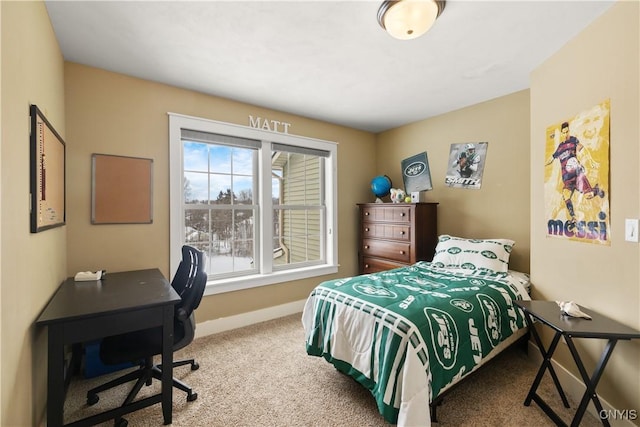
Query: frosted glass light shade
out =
(408, 19)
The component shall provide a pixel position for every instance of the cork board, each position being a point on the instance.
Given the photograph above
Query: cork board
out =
(121, 190)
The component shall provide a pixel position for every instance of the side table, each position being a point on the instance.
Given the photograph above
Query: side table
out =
(601, 327)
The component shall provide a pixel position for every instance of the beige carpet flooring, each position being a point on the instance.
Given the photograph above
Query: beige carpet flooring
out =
(261, 376)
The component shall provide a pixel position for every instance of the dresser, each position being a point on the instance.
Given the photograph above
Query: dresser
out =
(393, 235)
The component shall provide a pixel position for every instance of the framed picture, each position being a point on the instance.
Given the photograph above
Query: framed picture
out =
(47, 174)
(121, 190)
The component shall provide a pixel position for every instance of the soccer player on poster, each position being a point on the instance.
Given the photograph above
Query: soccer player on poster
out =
(573, 172)
(575, 187)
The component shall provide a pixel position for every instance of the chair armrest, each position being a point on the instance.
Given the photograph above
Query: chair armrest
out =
(181, 314)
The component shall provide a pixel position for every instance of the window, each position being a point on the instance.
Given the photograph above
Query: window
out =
(260, 205)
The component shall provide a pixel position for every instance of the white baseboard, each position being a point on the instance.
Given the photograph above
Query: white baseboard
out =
(574, 388)
(245, 319)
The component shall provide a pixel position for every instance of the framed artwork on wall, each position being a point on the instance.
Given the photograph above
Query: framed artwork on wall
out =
(47, 174)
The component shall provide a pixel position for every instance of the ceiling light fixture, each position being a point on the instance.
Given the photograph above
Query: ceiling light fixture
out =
(408, 19)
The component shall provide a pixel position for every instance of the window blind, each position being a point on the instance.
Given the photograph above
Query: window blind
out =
(215, 138)
(299, 150)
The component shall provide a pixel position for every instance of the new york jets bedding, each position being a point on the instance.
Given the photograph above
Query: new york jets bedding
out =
(410, 333)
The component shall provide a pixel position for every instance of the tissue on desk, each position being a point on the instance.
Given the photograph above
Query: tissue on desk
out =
(87, 276)
(572, 309)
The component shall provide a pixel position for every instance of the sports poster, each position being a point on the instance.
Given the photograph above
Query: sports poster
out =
(576, 177)
(466, 165)
(416, 173)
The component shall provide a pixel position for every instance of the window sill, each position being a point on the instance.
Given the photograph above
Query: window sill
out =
(254, 281)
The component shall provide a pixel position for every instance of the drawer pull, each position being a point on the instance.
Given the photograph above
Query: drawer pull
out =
(401, 252)
(366, 266)
(366, 214)
(402, 233)
(402, 214)
(366, 229)
(366, 246)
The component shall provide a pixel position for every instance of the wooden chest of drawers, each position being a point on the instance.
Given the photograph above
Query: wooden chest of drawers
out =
(396, 234)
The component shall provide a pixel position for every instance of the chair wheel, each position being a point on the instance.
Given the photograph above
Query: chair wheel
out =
(92, 399)
(121, 423)
(191, 397)
(195, 366)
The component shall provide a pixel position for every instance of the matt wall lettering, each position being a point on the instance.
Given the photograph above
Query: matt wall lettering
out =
(269, 124)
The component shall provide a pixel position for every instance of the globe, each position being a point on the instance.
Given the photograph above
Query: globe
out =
(381, 186)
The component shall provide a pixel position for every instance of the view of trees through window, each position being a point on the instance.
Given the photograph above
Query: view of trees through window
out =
(221, 206)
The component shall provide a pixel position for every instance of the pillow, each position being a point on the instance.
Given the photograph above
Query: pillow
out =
(473, 254)
(522, 278)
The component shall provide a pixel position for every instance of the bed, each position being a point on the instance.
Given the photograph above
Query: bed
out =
(409, 334)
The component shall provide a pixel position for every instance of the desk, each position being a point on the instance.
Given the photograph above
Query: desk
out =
(84, 311)
(602, 327)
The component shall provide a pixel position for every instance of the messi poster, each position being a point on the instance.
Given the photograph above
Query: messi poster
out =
(576, 177)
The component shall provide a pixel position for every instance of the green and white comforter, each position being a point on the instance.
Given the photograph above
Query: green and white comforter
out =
(406, 334)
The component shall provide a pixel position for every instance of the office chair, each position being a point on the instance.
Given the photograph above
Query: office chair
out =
(189, 282)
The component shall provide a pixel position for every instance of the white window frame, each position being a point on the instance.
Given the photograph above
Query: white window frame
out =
(177, 122)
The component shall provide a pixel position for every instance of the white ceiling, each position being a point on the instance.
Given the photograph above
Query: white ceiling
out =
(327, 60)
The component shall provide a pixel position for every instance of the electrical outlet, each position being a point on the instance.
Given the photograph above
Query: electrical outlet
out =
(631, 230)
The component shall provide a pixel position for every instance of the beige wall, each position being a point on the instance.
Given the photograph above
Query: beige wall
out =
(114, 114)
(601, 63)
(500, 208)
(98, 111)
(1, 138)
(32, 265)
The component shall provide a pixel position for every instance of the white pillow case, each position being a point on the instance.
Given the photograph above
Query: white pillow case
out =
(473, 254)
(523, 278)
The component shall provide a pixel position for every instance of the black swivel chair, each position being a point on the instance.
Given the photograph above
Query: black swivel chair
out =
(189, 282)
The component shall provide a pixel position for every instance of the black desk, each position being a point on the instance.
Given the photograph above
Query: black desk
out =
(84, 311)
(600, 327)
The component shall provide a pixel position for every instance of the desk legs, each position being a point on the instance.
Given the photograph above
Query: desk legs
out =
(55, 378)
(546, 365)
(56, 389)
(167, 364)
(591, 383)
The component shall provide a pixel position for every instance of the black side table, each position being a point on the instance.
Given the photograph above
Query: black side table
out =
(602, 327)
